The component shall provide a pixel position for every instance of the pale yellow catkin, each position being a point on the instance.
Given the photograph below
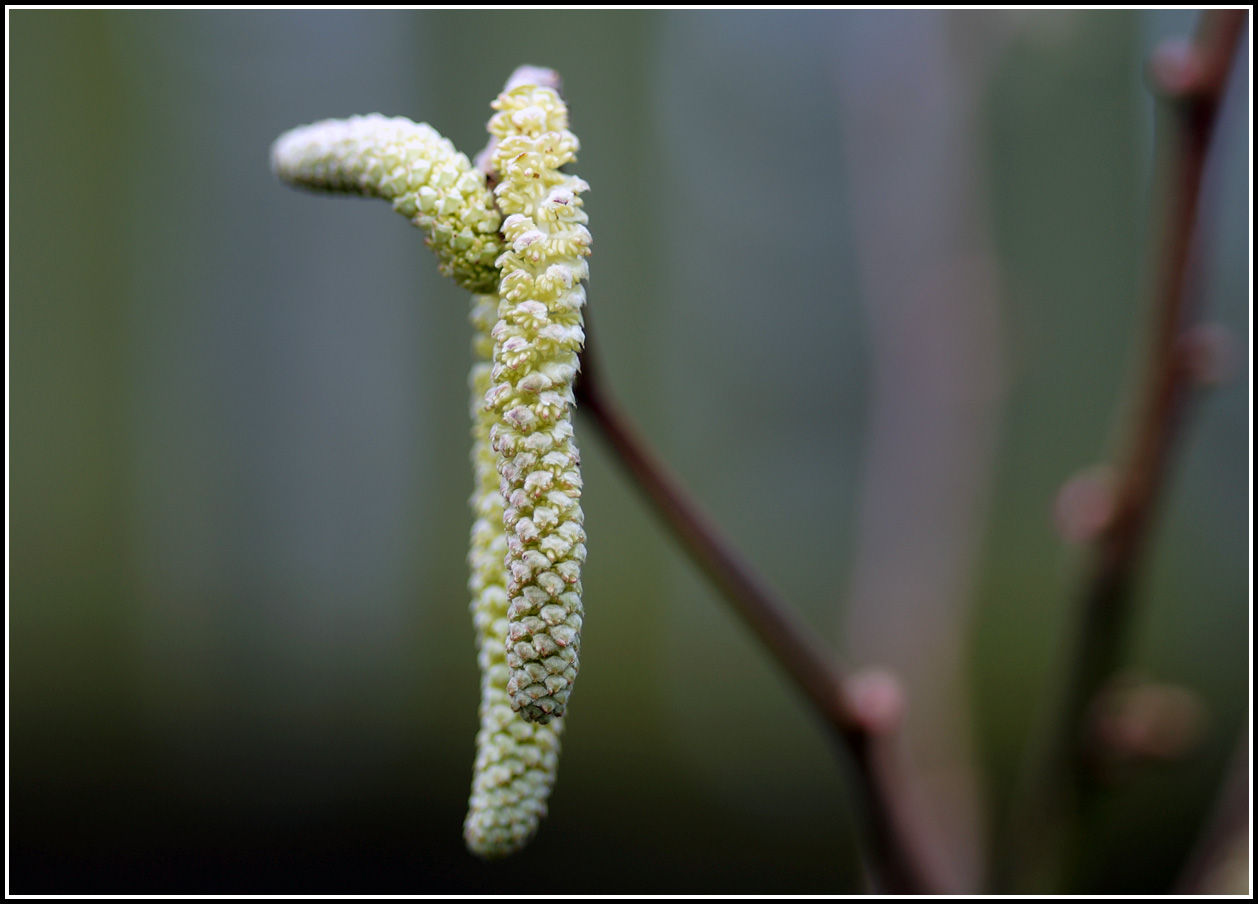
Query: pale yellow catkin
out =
(516, 760)
(527, 338)
(537, 341)
(411, 165)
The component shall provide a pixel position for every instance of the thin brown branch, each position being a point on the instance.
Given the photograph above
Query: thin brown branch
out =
(860, 727)
(1191, 78)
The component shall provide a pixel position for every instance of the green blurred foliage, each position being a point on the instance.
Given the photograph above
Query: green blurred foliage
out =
(240, 657)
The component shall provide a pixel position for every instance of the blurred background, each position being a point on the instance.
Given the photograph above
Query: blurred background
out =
(869, 281)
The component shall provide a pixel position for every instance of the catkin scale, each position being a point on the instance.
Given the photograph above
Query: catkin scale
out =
(537, 341)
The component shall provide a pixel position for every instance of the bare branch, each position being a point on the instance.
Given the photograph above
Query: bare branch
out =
(860, 713)
(1191, 78)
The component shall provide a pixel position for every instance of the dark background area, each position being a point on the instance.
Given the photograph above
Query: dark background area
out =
(240, 658)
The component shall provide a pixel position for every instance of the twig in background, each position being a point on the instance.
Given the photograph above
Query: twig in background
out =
(1191, 77)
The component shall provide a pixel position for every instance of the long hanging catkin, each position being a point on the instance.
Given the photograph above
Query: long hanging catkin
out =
(515, 760)
(537, 340)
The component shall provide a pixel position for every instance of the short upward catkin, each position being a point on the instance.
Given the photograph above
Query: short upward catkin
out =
(410, 164)
(537, 340)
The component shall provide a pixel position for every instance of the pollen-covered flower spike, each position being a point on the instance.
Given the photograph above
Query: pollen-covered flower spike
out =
(515, 760)
(537, 340)
(410, 164)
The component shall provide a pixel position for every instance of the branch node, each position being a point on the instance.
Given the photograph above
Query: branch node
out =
(1177, 71)
(1084, 507)
(875, 697)
(1209, 354)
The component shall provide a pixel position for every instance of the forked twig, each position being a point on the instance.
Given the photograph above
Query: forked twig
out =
(862, 727)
